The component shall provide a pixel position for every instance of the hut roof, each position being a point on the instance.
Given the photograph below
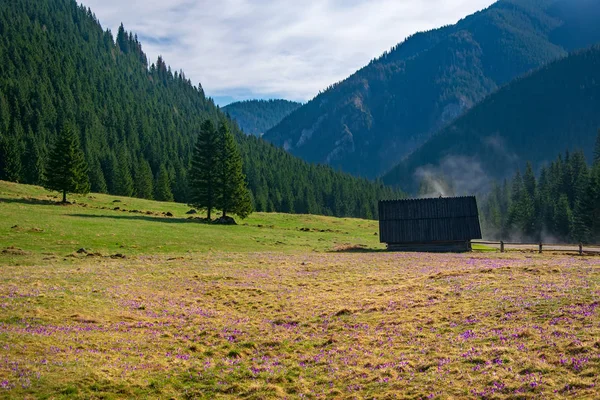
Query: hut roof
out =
(429, 220)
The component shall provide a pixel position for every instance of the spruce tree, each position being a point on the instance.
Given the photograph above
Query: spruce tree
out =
(563, 217)
(34, 162)
(144, 186)
(162, 187)
(124, 180)
(4, 114)
(204, 174)
(592, 204)
(66, 171)
(529, 182)
(97, 180)
(10, 159)
(180, 187)
(233, 195)
(110, 166)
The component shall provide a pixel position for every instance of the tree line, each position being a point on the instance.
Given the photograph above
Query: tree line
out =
(137, 122)
(561, 204)
(216, 177)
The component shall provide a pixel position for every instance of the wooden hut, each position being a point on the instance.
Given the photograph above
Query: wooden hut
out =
(430, 225)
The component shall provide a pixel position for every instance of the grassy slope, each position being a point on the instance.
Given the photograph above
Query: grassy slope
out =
(271, 320)
(44, 227)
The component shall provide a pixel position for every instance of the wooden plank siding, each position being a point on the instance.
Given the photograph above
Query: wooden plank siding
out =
(429, 220)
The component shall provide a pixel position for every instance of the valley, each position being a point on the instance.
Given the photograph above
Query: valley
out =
(156, 245)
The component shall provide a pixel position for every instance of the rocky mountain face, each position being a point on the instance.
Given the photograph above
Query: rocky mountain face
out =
(369, 122)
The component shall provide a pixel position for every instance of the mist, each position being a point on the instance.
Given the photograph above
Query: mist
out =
(455, 176)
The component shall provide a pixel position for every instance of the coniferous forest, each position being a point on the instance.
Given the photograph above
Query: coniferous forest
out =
(137, 121)
(560, 204)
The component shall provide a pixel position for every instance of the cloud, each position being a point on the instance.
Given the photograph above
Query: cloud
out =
(274, 48)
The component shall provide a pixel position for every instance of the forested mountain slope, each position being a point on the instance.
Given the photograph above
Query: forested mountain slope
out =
(137, 122)
(532, 119)
(255, 117)
(369, 122)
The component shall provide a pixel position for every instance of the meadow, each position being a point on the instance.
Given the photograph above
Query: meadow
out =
(280, 306)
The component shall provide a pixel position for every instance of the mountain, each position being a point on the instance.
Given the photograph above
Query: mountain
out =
(135, 119)
(370, 121)
(255, 117)
(532, 119)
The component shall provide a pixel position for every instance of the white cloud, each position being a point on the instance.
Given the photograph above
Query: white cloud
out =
(274, 48)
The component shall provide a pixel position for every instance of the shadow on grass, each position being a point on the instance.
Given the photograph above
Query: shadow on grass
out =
(31, 201)
(145, 218)
(357, 249)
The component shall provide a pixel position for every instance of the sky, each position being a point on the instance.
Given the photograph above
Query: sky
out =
(291, 49)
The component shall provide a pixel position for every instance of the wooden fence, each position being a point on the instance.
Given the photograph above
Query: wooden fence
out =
(582, 249)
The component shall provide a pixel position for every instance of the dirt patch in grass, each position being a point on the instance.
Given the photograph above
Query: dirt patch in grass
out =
(14, 251)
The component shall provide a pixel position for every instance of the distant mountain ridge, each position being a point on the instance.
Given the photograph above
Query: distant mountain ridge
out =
(255, 117)
(531, 119)
(367, 123)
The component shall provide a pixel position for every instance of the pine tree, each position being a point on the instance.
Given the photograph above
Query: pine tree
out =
(66, 171)
(34, 162)
(529, 182)
(97, 180)
(180, 187)
(162, 187)
(591, 205)
(563, 217)
(204, 174)
(4, 114)
(124, 180)
(10, 159)
(522, 211)
(122, 39)
(110, 166)
(233, 196)
(144, 186)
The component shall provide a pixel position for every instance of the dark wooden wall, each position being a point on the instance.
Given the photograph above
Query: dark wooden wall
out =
(429, 220)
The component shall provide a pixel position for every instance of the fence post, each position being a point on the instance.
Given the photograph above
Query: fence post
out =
(501, 247)
(580, 249)
(541, 248)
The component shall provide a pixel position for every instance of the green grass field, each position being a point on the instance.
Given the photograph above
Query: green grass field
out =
(34, 222)
(280, 306)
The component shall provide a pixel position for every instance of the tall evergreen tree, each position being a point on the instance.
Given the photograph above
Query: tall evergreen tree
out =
(529, 181)
(34, 162)
(563, 217)
(124, 180)
(110, 166)
(10, 159)
(204, 174)
(233, 195)
(180, 186)
(66, 171)
(97, 180)
(162, 187)
(4, 114)
(144, 186)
